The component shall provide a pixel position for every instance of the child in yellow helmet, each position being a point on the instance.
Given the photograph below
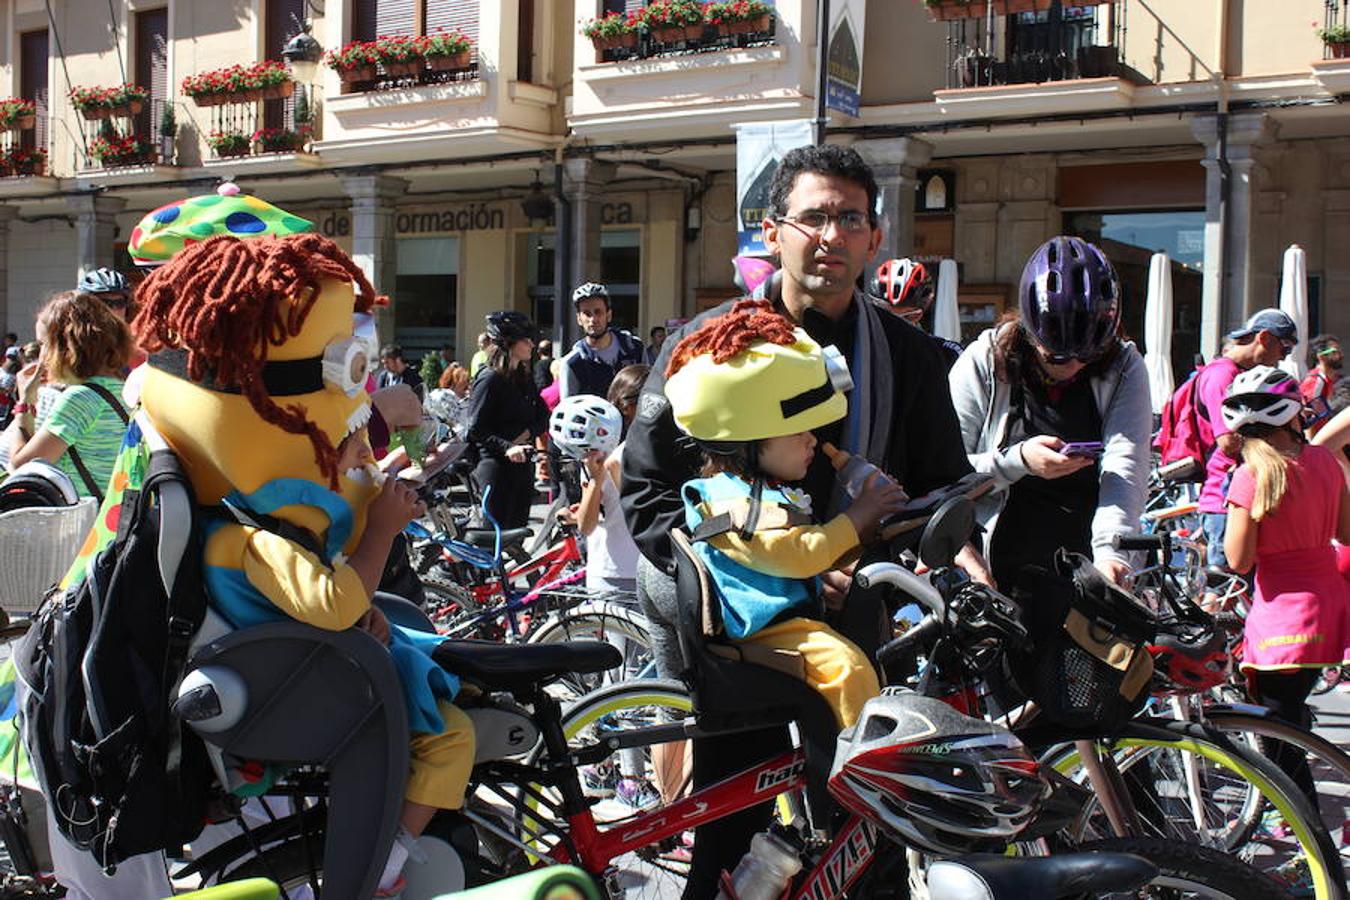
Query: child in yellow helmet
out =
(749, 387)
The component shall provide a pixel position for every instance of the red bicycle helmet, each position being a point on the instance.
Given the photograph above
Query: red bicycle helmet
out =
(1188, 658)
(905, 284)
(934, 779)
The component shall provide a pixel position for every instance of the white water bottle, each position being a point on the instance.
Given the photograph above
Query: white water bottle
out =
(765, 871)
(852, 469)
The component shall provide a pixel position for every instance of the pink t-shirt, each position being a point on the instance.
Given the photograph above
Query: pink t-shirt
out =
(1309, 512)
(1210, 390)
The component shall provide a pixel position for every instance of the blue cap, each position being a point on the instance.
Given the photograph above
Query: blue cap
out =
(1272, 320)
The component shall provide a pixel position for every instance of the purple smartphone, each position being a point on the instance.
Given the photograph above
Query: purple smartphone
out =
(1082, 448)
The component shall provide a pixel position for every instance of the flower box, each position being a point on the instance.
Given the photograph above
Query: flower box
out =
(147, 158)
(410, 68)
(756, 25)
(626, 41)
(121, 111)
(1339, 49)
(357, 73)
(24, 123)
(279, 91)
(451, 63)
(233, 152)
(673, 34)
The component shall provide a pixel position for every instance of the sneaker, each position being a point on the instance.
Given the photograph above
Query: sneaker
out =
(598, 781)
(1294, 876)
(636, 794)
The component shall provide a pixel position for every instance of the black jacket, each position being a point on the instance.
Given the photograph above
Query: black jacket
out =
(500, 409)
(587, 373)
(925, 452)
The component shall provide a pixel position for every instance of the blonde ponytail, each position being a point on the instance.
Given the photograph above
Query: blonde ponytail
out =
(1271, 468)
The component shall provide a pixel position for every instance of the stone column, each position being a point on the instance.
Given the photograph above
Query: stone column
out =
(584, 182)
(96, 229)
(7, 214)
(373, 245)
(895, 162)
(1226, 300)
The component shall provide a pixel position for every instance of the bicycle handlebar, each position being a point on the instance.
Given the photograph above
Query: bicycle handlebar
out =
(928, 629)
(918, 588)
(1140, 541)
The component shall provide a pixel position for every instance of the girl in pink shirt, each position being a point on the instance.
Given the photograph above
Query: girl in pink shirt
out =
(1287, 502)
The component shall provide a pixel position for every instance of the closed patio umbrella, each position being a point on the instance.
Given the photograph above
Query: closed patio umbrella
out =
(1158, 331)
(946, 317)
(1294, 303)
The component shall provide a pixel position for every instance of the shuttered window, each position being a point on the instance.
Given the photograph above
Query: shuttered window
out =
(152, 67)
(284, 20)
(373, 18)
(525, 48)
(622, 6)
(453, 15)
(33, 84)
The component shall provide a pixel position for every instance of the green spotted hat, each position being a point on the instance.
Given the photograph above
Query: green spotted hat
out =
(165, 231)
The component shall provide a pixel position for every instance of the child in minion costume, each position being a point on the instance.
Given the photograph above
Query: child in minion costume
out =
(748, 387)
(260, 348)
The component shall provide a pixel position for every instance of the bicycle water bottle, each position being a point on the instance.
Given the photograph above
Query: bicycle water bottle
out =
(851, 469)
(765, 871)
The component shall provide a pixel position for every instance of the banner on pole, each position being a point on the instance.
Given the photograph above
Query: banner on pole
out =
(844, 56)
(759, 147)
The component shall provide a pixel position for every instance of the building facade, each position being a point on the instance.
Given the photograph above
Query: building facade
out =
(1210, 130)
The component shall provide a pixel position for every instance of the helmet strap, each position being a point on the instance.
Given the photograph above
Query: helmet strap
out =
(752, 514)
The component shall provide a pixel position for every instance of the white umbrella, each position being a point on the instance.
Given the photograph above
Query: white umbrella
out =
(946, 317)
(1294, 303)
(1158, 330)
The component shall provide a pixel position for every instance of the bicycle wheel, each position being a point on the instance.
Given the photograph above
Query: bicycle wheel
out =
(1188, 870)
(625, 628)
(1189, 784)
(659, 870)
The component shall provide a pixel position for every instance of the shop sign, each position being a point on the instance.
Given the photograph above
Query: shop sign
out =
(844, 56)
(759, 147)
(422, 220)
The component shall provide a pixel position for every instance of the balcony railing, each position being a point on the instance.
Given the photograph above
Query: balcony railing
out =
(138, 136)
(695, 39)
(415, 76)
(1335, 23)
(284, 124)
(1062, 43)
(23, 151)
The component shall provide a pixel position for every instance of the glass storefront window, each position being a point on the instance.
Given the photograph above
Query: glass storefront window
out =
(620, 271)
(1129, 239)
(425, 294)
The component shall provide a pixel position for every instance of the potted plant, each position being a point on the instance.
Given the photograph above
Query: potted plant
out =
(18, 113)
(168, 130)
(121, 150)
(399, 56)
(739, 16)
(354, 62)
(1337, 40)
(672, 21)
(230, 143)
(24, 161)
(105, 103)
(445, 51)
(613, 30)
(282, 140)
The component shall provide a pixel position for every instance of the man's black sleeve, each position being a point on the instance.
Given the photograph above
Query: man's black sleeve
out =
(935, 453)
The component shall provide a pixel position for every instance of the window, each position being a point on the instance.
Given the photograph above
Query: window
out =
(285, 19)
(425, 294)
(33, 84)
(376, 18)
(151, 53)
(1129, 240)
(525, 48)
(621, 271)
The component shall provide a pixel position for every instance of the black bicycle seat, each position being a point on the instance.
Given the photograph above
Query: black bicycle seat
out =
(487, 538)
(919, 510)
(1052, 877)
(519, 666)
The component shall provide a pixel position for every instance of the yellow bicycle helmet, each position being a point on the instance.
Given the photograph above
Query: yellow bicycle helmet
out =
(749, 375)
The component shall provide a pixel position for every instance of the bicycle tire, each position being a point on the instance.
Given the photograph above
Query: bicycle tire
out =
(1150, 736)
(1190, 868)
(600, 620)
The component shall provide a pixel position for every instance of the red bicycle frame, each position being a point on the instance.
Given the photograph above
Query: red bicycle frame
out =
(551, 564)
(846, 858)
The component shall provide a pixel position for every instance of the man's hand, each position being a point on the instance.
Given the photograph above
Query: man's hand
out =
(398, 406)
(375, 624)
(834, 586)
(1116, 570)
(518, 453)
(973, 563)
(1043, 459)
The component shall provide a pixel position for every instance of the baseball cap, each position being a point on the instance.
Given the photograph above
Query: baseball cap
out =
(1272, 320)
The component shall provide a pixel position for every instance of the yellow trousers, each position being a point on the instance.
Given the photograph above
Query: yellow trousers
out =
(835, 666)
(440, 764)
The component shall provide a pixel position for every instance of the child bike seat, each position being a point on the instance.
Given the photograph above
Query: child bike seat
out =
(520, 667)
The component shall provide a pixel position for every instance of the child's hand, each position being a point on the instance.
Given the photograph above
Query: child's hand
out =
(881, 497)
(394, 507)
(375, 624)
(594, 461)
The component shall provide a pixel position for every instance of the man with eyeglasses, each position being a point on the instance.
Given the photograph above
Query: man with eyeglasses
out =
(823, 230)
(1263, 340)
(111, 287)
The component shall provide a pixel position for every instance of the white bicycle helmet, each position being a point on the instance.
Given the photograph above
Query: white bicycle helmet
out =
(934, 779)
(1262, 395)
(37, 483)
(588, 290)
(584, 422)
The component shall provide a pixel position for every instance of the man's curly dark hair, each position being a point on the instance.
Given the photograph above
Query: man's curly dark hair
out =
(830, 159)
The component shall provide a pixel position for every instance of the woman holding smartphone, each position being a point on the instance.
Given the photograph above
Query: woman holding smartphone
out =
(1055, 406)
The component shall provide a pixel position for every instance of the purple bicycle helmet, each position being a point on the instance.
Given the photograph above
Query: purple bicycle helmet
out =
(1070, 299)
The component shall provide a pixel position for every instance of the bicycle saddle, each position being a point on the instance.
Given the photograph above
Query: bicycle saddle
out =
(487, 538)
(519, 666)
(1037, 877)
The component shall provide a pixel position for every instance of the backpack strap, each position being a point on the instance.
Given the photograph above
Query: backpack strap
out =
(85, 475)
(230, 512)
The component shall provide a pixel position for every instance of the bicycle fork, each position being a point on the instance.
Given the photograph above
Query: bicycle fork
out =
(1111, 790)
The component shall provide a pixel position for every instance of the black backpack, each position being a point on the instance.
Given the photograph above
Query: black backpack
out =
(102, 663)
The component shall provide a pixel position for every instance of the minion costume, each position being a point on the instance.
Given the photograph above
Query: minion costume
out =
(757, 540)
(259, 436)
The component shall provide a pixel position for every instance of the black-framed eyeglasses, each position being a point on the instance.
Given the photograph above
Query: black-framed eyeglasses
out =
(813, 222)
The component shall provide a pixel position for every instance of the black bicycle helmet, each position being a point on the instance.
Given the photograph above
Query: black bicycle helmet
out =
(1069, 299)
(37, 483)
(508, 326)
(104, 281)
(934, 779)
